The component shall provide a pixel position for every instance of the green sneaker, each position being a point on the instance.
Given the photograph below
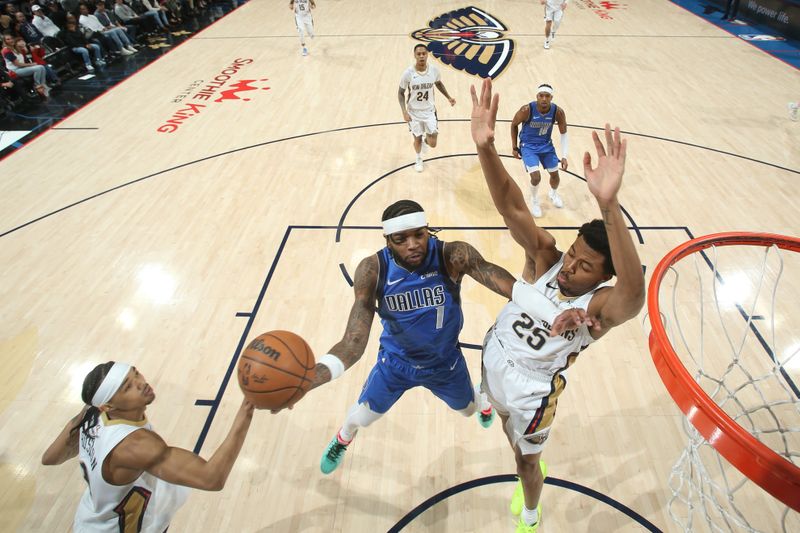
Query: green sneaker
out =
(333, 455)
(518, 500)
(522, 527)
(486, 419)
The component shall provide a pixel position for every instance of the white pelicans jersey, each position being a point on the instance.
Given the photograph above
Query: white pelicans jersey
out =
(147, 505)
(420, 86)
(526, 338)
(302, 8)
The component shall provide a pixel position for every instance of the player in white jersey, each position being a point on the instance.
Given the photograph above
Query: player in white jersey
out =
(303, 20)
(553, 13)
(419, 108)
(567, 299)
(136, 482)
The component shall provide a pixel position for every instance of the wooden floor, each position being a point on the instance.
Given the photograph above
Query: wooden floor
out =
(169, 249)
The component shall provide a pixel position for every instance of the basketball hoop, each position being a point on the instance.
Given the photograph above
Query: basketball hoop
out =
(752, 385)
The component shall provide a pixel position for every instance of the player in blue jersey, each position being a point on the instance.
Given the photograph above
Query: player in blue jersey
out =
(414, 285)
(535, 145)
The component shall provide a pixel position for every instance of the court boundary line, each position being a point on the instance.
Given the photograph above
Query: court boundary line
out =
(512, 478)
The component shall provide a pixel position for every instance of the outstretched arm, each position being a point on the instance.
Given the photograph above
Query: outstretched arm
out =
(350, 349)
(440, 86)
(146, 450)
(614, 305)
(505, 192)
(463, 258)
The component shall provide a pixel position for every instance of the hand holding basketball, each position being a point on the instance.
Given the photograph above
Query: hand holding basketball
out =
(276, 370)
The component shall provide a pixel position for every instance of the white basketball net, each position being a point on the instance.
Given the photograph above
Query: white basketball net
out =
(745, 354)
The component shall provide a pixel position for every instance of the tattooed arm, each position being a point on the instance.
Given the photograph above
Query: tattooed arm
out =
(463, 258)
(351, 347)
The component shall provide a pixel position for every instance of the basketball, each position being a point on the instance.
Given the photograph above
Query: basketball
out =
(276, 370)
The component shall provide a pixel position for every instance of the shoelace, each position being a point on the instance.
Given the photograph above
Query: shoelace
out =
(336, 450)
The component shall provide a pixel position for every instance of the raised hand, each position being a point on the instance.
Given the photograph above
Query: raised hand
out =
(605, 180)
(484, 114)
(571, 319)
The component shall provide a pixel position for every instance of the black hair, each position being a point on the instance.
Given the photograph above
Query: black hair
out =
(594, 234)
(404, 207)
(91, 383)
(401, 207)
(418, 45)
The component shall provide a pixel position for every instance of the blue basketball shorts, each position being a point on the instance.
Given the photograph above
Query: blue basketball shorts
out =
(533, 156)
(391, 377)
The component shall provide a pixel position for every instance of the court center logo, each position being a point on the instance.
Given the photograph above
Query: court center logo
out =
(469, 39)
(201, 95)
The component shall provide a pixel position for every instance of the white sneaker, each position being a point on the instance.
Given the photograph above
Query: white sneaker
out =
(305, 51)
(794, 110)
(536, 210)
(555, 198)
(125, 52)
(89, 68)
(418, 165)
(547, 44)
(131, 49)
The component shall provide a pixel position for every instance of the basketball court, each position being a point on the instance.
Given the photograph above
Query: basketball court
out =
(166, 224)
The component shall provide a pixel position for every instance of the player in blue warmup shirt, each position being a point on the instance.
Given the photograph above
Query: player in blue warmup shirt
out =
(414, 284)
(536, 145)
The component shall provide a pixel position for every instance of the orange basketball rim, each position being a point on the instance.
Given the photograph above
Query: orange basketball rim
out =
(776, 475)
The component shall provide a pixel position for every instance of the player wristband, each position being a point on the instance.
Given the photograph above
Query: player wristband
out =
(333, 363)
(533, 302)
(564, 146)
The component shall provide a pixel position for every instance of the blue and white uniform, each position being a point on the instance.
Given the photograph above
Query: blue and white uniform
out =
(535, 140)
(422, 318)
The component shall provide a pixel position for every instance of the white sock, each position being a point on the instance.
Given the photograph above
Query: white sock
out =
(534, 192)
(359, 416)
(481, 399)
(528, 516)
(419, 156)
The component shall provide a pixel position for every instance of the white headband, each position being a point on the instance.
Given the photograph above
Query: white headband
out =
(404, 222)
(110, 384)
(544, 89)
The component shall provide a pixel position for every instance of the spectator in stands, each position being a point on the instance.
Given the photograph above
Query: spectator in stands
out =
(45, 26)
(156, 11)
(116, 36)
(16, 64)
(13, 91)
(110, 19)
(28, 31)
(57, 15)
(80, 45)
(37, 56)
(130, 17)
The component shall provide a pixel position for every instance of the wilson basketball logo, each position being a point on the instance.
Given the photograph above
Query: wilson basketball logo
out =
(269, 351)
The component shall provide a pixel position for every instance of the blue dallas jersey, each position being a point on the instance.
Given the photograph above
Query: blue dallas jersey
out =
(536, 132)
(420, 310)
